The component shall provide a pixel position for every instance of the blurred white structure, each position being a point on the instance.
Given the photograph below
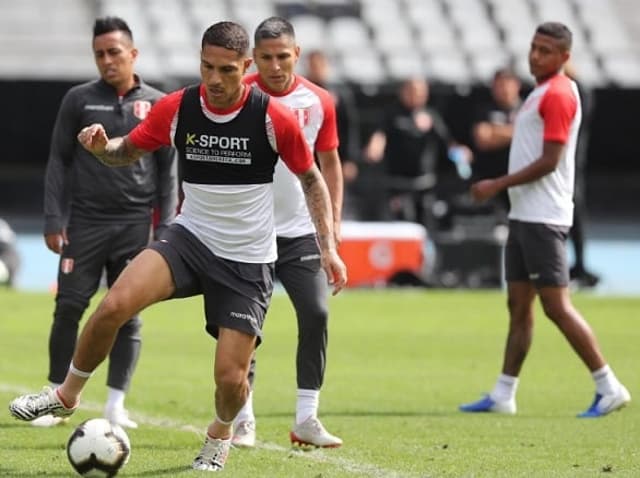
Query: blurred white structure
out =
(461, 41)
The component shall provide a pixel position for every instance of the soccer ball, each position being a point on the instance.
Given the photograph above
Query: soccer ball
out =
(97, 448)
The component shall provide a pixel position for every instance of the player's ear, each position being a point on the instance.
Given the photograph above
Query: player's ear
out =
(247, 64)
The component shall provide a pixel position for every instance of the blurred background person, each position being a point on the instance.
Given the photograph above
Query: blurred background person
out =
(318, 70)
(492, 130)
(9, 257)
(98, 218)
(578, 272)
(409, 143)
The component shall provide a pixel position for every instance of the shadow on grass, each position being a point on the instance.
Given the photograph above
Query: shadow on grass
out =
(367, 413)
(12, 473)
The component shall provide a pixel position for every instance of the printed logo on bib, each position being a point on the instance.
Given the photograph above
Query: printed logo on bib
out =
(217, 149)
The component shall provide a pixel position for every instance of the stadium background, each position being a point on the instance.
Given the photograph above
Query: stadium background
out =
(456, 44)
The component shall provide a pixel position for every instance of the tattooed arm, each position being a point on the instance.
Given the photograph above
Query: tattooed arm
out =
(112, 152)
(319, 204)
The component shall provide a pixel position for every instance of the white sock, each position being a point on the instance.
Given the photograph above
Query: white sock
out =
(606, 381)
(307, 404)
(115, 398)
(246, 412)
(505, 388)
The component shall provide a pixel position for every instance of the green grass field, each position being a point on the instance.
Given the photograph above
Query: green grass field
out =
(400, 362)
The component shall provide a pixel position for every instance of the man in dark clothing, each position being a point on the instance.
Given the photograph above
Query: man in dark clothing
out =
(410, 141)
(98, 218)
(492, 130)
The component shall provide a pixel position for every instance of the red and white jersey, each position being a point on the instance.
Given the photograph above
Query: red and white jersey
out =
(316, 112)
(551, 112)
(235, 221)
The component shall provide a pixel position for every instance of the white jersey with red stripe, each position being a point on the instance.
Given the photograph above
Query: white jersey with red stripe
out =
(315, 109)
(235, 221)
(551, 112)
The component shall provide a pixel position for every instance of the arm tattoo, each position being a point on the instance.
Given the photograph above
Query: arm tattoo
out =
(319, 204)
(119, 152)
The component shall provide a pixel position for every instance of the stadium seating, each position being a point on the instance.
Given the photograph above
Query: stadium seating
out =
(459, 41)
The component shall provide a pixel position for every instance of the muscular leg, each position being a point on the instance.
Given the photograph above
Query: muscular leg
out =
(232, 359)
(558, 307)
(127, 241)
(521, 319)
(145, 281)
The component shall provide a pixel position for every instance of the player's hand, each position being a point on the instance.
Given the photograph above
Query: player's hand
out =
(483, 190)
(93, 138)
(335, 269)
(56, 241)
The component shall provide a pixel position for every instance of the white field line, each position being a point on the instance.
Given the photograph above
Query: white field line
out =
(317, 455)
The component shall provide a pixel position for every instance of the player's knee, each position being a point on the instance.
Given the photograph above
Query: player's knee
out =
(554, 310)
(314, 318)
(114, 308)
(230, 379)
(68, 311)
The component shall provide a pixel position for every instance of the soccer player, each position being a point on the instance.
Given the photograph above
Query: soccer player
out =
(540, 184)
(222, 244)
(98, 218)
(298, 266)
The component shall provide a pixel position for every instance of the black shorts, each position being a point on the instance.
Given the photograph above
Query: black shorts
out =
(236, 294)
(537, 253)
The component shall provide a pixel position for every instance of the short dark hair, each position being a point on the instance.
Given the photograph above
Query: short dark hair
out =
(104, 25)
(557, 30)
(273, 27)
(227, 35)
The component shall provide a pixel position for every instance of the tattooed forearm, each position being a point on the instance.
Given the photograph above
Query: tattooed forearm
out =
(319, 204)
(119, 152)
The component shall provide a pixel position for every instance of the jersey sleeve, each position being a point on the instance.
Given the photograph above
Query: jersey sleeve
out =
(155, 130)
(289, 138)
(327, 139)
(558, 108)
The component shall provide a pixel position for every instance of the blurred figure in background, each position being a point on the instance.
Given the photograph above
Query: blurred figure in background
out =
(318, 71)
(9, 257)
(579, 272)
(97, 218)
(410, 141)
(492, 130)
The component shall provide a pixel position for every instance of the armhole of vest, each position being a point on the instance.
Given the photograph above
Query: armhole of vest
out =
(186, 97)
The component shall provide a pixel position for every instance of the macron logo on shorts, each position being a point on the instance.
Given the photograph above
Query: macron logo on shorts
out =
(239, 315)
(534, 276)
(310, 257)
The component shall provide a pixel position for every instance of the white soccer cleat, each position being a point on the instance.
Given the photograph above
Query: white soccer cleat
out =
(311, 432)
(605, 404)
(119, 416)
(35, 405)
(48, 421)
(244, 434)
(213, 455)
